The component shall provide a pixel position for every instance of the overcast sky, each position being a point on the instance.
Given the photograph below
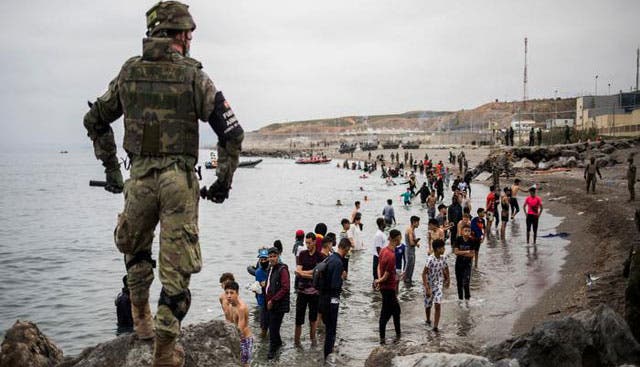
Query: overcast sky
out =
(292, 60)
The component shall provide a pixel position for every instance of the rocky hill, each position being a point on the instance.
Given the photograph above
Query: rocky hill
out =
(494, 114)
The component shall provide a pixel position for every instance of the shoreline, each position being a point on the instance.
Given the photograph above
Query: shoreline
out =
(596, 245)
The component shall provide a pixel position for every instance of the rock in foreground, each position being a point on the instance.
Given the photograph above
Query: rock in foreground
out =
(598, 337)
(211, 344)
(24, 345)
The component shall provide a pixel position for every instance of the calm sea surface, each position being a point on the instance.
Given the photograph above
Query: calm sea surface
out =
(60, 268)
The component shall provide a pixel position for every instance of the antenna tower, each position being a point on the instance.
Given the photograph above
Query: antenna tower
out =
(637, 65)
(524, 94)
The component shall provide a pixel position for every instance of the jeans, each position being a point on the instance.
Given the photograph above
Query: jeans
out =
(330, 319)
(275, 322)
(463, 278)
(410, 258)
(375, 267)
(390, 307)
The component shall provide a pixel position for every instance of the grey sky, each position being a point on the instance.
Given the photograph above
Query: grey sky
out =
(291, 60)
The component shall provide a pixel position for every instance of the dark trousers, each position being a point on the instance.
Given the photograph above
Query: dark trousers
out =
(275, 322)
(390, 308)
(463, 278)
(375, 267)
(532, 221)
(591, 182)
(330, 319)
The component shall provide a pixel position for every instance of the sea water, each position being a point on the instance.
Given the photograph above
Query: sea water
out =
(60, 268)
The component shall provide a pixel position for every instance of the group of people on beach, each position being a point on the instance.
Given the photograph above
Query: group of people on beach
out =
(322, 260)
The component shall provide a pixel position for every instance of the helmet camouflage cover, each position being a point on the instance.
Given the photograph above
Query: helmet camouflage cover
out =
(169, 15)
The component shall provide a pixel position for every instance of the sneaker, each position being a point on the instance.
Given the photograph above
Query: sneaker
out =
(435, 330)
(428, 322)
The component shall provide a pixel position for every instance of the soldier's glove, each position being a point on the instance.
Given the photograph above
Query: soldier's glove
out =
(114, 180)
(217, 192)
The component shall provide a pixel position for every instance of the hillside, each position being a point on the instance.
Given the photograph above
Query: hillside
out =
(495, 114)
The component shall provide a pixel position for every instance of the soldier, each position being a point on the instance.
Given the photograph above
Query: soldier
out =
(162, 95)
(567, 134)
(631, 178)
(590, 174)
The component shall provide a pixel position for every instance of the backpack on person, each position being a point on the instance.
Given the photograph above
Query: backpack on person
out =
(319, 272)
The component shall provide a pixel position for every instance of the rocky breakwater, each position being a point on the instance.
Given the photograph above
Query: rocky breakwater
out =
(597, 337)
(606, 153)
(211, 344)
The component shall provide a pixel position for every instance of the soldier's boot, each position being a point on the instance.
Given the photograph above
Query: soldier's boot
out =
(142, 321)
(166, 353)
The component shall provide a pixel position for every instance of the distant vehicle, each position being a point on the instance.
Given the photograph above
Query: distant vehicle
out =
(369, 146)
(347, 148)
(390, 145)
(313, 160)
(411, 145)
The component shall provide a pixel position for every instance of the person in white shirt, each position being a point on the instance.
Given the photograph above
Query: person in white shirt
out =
(355, 234)
(379, 241)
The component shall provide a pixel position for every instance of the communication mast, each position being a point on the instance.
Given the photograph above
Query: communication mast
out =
(524, 94)
(637, 65)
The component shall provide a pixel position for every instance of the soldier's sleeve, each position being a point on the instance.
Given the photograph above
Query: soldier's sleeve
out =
(105, 110)
(213, 107)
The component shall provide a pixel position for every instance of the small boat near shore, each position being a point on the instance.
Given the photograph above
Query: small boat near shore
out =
(313, 160)
(249, 164)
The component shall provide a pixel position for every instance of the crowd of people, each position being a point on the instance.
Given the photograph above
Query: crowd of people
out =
(322, 257)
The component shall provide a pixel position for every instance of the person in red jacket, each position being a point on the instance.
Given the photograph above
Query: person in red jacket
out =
(278, 299)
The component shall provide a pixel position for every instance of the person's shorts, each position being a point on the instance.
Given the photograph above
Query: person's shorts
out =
(504, 219)
(304, 300)
(436, 297)
(489, 216)
(475, 245)
(246, 349)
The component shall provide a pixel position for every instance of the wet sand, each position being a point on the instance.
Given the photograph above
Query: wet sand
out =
(601, 229)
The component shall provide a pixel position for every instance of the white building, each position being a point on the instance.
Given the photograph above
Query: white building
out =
(524, 125)
(553, 123)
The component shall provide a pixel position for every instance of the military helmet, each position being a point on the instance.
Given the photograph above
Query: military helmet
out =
(169, 15)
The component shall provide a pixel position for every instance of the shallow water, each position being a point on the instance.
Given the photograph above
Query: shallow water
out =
(60, 269)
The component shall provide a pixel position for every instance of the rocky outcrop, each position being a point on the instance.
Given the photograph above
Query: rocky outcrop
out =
(24, 345)
(589, 338)
(598, 337)
(448, 360)
(211, 344)
(560, 156)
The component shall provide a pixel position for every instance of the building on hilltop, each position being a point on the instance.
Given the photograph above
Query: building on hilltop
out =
(617, 114)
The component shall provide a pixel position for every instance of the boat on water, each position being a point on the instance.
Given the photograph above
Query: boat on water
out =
(249, 164)
(390, 145)
(313, 160)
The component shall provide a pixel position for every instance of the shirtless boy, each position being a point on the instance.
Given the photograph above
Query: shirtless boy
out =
(239, 314)
(224, 279)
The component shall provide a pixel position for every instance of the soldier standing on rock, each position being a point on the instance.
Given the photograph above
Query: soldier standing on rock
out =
(631, 178)
(162, 95)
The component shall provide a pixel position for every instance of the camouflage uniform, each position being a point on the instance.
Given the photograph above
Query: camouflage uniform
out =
(162, 95)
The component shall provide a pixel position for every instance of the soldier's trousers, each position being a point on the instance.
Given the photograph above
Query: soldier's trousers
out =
(632, 191)
(591, 182)
(163, 196)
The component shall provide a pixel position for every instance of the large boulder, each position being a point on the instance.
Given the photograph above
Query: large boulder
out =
(607, 149)
(211, 344)
(525, 164)
(24, 345)
(448, 360)
(383, 356)
(598, 337)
